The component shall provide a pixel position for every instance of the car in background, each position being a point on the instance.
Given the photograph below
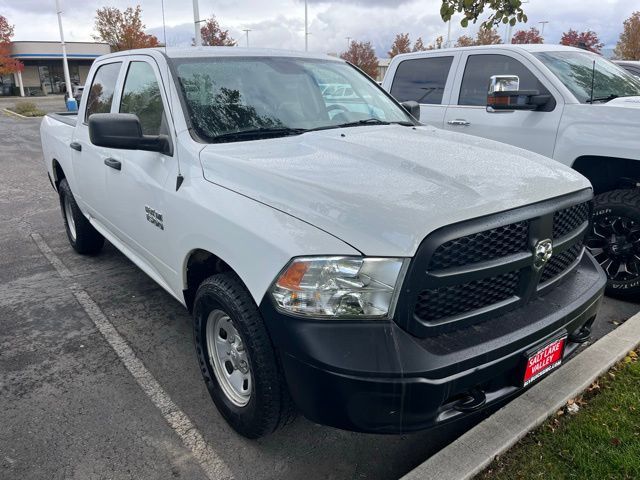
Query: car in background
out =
(631, 66)
(562, 102)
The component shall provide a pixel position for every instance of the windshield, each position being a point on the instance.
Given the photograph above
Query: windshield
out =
(576, 71)
(227, 96)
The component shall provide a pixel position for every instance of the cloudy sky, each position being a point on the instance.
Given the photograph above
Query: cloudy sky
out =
(280, 23)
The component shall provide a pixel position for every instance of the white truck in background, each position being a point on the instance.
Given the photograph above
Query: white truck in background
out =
(562, 102)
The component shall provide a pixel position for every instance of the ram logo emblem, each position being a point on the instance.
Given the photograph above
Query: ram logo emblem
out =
(542, 252)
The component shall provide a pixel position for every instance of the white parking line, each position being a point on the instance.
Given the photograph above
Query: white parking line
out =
(213, 466)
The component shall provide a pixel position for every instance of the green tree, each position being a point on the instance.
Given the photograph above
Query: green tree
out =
(504, 11)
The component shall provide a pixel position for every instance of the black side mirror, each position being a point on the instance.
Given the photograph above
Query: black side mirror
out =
(123, 131)
(413, 108)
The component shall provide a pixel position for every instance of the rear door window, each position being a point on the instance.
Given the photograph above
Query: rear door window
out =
(102, 89)
(141, 96)
(480, 68)
(421, 79)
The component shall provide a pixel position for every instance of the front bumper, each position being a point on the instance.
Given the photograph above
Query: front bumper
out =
(373, 376)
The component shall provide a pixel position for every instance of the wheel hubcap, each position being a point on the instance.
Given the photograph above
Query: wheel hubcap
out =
(615, 244)
(228, 358)
(68, 214)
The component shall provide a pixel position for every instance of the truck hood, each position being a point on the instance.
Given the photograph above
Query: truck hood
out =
(382, 189)
(627, 102)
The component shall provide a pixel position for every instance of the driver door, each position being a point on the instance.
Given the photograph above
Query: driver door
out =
(532, 130)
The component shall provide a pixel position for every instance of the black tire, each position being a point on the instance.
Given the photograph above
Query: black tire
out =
(269, 405)
(86, 239)
(615, 241)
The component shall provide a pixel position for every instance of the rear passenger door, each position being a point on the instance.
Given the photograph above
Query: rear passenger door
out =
(424, 80)
(88, 159)
(532, 130)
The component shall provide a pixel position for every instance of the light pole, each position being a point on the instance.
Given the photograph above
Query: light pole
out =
(65, 64)
(306, 26)
(197, 39)
(449, 34)
(246, 31)
(348, 43)
(543, 23)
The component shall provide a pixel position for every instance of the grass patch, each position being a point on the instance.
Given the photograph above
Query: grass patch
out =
(27, 109)
(601, 441)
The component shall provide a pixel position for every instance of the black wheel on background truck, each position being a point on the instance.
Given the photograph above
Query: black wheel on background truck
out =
(237, 360)
(83, 237)
(615, 241)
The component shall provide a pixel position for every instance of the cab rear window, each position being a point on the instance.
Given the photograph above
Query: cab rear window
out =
(421, 79)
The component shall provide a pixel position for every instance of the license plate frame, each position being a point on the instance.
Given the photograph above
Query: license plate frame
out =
(542, 360)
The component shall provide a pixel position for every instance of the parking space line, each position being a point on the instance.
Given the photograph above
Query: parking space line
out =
(212, 465)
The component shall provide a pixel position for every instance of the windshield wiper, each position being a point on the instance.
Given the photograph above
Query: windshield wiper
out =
(256, 133)
(366, 121)
(603, 99)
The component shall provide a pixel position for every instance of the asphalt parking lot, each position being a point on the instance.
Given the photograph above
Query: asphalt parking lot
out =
(70, 408)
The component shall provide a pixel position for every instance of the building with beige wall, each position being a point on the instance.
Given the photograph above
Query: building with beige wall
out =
(43, 72)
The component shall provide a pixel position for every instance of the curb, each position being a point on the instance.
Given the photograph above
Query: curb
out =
(11, 112)
(476, 449)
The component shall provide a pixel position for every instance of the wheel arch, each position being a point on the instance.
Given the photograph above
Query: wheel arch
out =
(199, 264)
(58, 173)
(608, 173)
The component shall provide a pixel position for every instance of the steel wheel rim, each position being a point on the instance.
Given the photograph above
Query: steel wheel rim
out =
(68, 214)
(615, 244)
(228, 358)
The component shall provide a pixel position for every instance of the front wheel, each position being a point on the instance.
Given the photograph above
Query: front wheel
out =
(237, 360)
(615, 241)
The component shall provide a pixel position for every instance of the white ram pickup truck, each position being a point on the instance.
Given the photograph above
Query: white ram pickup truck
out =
(338, 257)
(565, 103)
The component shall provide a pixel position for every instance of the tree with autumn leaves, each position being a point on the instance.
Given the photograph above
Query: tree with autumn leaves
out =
(628, 47)
(527, 36)
(363, 56)
(588, 40)
(483, 37)
(402, 44)
(122, 30)
(213, 35)
(8, 65)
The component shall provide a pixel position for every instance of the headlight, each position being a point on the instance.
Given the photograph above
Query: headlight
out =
(340, 286)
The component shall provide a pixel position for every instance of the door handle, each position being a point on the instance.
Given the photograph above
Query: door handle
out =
(76, 146)
(113, 163)
(459, 123)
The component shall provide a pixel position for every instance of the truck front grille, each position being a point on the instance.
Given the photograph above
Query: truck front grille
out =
(457, 280)
(568, 219)
(448, 301)
(495, 243)
(560, 263)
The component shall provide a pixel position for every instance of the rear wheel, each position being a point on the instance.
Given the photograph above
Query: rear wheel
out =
(615, 241)
(82, 236)
(237, 360)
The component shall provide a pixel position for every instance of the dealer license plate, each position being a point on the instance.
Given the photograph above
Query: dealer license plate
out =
(544, 361)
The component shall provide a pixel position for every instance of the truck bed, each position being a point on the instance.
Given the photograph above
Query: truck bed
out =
(70, 118)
